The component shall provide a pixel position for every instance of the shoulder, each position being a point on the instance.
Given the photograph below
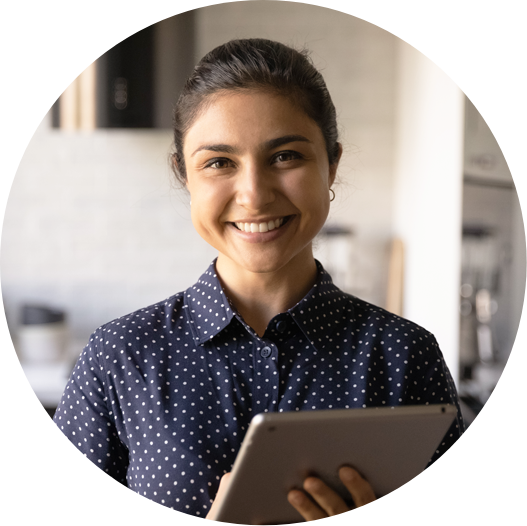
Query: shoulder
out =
(159, 318)
(410, 352)
(342, 310)
(370, 316)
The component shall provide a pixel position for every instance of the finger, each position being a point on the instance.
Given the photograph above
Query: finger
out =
(329, 500)
(360, 489)
(305, 506)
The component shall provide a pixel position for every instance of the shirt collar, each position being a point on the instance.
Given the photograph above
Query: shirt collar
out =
(317, 315)
(320, 313)
(208, 307)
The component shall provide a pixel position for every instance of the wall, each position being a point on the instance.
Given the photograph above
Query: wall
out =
(428, 190)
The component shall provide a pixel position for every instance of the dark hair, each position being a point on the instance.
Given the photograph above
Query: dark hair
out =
(257, 64)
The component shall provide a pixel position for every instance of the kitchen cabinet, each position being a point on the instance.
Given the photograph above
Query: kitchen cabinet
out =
(134, 84)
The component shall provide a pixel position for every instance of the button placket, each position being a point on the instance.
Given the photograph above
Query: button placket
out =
(266, 377)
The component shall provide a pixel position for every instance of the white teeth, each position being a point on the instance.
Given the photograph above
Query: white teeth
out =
(260, 227)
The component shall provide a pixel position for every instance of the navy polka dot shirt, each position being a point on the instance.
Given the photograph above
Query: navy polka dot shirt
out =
(161, 399)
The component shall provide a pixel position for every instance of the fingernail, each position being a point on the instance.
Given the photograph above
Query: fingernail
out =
(295, 497)
(312, 484)
(347, 474)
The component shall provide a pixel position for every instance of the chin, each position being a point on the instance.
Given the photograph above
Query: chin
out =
(259, 263)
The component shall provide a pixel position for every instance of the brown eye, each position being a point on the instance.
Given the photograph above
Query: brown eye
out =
(218, 164)
(284, 157)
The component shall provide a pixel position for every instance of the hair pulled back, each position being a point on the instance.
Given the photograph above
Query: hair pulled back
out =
(255, 64)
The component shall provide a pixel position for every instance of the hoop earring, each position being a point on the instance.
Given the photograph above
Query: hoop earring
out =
(332, 192)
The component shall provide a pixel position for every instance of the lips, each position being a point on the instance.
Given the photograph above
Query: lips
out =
(265, 226)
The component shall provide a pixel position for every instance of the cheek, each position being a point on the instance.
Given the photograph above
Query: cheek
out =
(323, 212)
(311, 193)
(209, 201)
(323, 197)
(319, 203)
(203, 220)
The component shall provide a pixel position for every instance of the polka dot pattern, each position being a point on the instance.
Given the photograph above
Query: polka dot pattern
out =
(161, 399)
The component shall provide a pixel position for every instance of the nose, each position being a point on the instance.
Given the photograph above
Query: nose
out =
(255, 187)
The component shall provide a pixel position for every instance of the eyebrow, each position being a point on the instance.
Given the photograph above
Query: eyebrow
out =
(286, 139)
(269, 145)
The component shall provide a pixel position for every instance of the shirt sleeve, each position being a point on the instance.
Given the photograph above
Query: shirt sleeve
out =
(84, 417)
(432, 383)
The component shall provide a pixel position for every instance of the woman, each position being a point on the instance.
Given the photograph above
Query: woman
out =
(161, 399)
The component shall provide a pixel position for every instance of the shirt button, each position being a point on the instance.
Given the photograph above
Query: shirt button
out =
(281, 326)
(266, 352)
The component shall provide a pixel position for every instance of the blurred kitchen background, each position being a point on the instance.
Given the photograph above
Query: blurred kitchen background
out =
(426, 222)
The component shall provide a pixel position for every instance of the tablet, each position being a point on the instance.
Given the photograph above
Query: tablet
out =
(388, 446)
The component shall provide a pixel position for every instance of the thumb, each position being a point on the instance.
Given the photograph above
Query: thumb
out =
(224, 484)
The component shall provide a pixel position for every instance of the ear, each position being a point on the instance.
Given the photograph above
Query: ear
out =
(333, 167)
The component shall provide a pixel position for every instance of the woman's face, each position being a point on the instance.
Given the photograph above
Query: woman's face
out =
(259, 178)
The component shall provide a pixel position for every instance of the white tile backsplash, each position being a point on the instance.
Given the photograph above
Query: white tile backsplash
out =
(94, 225)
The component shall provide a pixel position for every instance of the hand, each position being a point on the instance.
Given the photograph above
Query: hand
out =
(224, 483)
(326, 501)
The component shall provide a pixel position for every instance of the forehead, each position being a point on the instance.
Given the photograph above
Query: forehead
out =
(249, 117)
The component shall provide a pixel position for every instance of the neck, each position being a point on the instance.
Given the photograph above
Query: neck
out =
(259, 296)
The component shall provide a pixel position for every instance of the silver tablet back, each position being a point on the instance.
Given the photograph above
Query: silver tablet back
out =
(389, 446)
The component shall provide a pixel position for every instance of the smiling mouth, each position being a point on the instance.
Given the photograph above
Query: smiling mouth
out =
(266, 226)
